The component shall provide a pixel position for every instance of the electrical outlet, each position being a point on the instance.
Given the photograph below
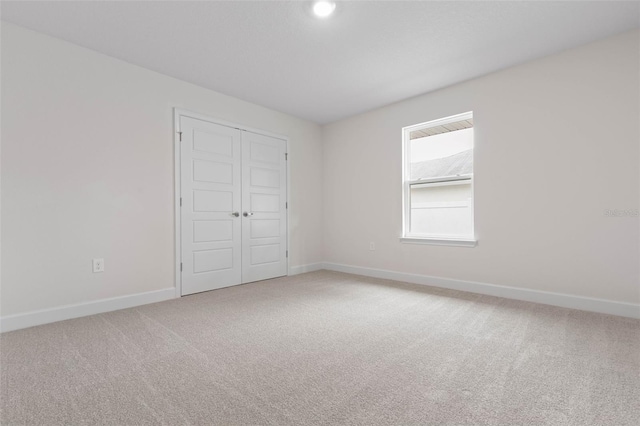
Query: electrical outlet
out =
(372, 246)
(98, 265)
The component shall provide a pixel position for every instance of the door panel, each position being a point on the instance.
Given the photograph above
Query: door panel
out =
(212, 171)
(264, 195)
(265, 203)
(265, 178)
(211, 201)
(210, 189)
(212, 260)
(212, 230)
(265, 228)
(215, 143)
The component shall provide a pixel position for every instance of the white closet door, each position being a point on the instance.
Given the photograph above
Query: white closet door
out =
(264, 197)
(210, 214)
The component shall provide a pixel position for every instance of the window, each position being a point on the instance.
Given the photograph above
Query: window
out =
(438, 182)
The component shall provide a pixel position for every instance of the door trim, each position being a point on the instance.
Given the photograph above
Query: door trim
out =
(177, 114)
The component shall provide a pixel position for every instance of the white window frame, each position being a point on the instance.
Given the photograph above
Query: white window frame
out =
(407, 237)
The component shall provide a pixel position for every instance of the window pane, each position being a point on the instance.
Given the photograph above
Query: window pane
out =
(442, 209)
(446, 154)
(438, 177)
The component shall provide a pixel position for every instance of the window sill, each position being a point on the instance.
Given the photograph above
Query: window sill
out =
(455, 242)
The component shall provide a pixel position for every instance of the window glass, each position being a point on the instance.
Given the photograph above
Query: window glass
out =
(438, 185)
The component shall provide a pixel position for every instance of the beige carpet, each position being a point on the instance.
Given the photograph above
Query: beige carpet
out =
(326, 348)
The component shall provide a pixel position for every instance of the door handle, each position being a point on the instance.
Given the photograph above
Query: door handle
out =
(245, 214)
(235, 214)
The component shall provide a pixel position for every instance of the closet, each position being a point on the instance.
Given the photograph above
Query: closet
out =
(233, 205)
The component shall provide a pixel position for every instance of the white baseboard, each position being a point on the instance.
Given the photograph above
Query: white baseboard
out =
(548, 298)
(45, 316)
(301, 269)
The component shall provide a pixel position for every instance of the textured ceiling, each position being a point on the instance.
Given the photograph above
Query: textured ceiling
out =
(368, 54)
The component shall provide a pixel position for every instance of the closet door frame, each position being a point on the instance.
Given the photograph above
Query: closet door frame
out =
(177, 134)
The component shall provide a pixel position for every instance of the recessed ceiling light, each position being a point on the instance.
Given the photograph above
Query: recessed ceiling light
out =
(322, 9)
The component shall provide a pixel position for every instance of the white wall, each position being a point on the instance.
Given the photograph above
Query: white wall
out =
(556, 143)
(87, 171)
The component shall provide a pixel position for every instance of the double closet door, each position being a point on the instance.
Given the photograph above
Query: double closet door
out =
(233, 188)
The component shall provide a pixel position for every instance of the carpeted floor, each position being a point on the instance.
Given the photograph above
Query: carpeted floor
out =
(326, 348)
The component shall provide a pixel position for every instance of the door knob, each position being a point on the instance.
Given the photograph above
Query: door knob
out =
(235, 214)
(245, 214)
